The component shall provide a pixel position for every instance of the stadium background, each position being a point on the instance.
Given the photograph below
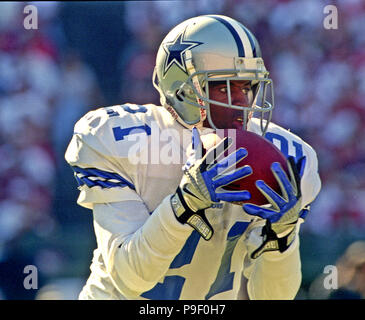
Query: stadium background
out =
(87, 55)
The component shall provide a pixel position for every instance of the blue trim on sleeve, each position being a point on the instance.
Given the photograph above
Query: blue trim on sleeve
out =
(93, 177)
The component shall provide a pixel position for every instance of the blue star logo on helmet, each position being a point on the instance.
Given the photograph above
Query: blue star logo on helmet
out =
(175, 52)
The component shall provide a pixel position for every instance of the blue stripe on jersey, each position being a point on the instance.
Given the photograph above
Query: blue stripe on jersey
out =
(170, 289)
(186, 254)
(237, 229)
(241, 50)
(224, 279)
(93, 177)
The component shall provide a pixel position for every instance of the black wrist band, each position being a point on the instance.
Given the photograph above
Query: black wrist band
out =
(272, 242)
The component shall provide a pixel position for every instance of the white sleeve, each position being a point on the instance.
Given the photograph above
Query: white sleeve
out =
(273, 275)
(276, 276)
(137, 247)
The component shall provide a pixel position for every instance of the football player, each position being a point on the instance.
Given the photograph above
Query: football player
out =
(165, 229)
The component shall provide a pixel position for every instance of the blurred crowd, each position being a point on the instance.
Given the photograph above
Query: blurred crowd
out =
(83, 56)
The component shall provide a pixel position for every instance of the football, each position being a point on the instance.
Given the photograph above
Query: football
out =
(261, 154)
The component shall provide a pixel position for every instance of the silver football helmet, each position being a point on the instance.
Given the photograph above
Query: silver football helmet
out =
(205, 49)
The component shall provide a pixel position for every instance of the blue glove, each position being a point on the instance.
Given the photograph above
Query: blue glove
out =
(284, 210)
(204, 175)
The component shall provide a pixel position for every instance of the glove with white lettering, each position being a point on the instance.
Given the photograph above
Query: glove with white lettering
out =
(284, 211)
(200, 185)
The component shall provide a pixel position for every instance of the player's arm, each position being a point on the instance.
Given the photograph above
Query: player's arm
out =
(138, 247)
(273, 264)
(139, 255)
(283, 258)
(274, 275)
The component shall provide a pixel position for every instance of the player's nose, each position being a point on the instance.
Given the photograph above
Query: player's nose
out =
(239, 98)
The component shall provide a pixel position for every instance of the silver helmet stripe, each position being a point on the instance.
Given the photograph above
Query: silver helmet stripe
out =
(243, 42)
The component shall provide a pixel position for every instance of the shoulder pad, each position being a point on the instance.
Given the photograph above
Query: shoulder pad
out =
(98, 151)
(108, 130)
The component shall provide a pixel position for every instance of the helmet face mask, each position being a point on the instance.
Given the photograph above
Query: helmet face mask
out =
(201, 51)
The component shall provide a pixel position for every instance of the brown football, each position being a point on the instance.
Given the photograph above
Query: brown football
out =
(261, 154)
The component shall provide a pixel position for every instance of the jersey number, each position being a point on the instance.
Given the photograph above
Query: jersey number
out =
(120, 133)
(171, 287)
(295, 149)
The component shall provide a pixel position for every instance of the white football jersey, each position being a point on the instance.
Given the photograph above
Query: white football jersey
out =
(128, 162)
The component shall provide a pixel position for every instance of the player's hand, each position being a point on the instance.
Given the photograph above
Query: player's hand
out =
(284, 211)
(204, 175)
